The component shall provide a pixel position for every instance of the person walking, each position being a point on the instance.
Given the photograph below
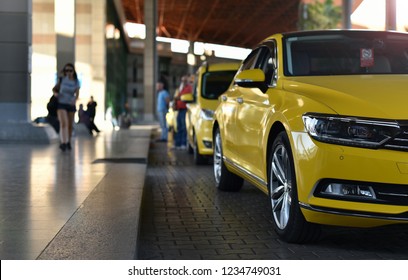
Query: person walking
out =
(83, 117)
(163, 101)
(91, 109)
(180, 136)
(67, 92)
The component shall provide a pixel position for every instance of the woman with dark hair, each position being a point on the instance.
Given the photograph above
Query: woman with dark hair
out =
(67, 92)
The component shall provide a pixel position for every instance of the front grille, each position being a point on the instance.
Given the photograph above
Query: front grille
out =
(399, 142)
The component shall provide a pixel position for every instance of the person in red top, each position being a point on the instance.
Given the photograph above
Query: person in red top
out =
(180, 137)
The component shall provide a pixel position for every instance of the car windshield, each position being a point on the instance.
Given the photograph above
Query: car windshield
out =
(346, 53)
(216, 83)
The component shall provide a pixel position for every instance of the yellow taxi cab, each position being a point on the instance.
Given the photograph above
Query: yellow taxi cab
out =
(211, 80)
(318, 120)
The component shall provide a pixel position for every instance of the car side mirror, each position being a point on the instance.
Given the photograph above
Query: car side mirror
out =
(187, 98)
(254, 78)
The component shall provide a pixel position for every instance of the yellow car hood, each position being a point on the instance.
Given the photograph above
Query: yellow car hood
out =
(377, 96)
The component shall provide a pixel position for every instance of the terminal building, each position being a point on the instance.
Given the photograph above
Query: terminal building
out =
(116, 68)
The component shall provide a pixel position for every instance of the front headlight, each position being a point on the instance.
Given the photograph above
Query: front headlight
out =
(350, 131)
(207, 114)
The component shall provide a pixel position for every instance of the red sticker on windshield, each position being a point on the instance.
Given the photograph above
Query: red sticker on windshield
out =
(366, 57)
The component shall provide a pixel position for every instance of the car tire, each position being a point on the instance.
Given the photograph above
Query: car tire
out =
(288, 220)
(224, 179)
(198, 158)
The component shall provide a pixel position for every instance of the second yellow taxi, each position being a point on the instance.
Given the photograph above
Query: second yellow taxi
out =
(211, 80)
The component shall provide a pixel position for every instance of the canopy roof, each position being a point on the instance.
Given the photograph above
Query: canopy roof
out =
(240, 23)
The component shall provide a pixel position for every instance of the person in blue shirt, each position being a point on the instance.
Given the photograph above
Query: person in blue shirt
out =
(67, 92)
(163, 100)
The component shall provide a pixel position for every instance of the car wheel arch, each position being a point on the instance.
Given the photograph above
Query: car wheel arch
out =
(199, 159)
(291, 226)
(193, 135)
(215, 126)
(190, 140)
(276, 128)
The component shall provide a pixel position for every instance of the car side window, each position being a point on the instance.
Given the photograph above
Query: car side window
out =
(268, 63)
(250, 61)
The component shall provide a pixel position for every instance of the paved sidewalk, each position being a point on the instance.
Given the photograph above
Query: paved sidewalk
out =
(184, 217)
(79, 204)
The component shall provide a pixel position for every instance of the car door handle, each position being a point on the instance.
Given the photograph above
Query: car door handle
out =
(240, 100)
(223, 98)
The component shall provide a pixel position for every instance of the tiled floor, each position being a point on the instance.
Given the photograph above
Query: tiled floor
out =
(41, 187)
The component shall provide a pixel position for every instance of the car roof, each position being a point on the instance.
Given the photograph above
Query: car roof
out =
(336, 31)
(355, 32)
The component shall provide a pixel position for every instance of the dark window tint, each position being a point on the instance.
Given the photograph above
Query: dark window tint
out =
(346, 54)
(216, 83)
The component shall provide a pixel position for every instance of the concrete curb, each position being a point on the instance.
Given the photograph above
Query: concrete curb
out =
(106, 225)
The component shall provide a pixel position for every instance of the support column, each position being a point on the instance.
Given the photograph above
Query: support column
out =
(65, 30)
(390, 15)
(15, 75)
(191, 59)
(15, 57)
(150, 60)
(347, 7)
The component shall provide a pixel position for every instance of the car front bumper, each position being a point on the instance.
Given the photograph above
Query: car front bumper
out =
(203, 132)
(385, 172)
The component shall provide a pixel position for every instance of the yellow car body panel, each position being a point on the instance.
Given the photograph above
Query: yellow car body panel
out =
(214, 79)
(318, 160)
(248, 119)
(346, 94)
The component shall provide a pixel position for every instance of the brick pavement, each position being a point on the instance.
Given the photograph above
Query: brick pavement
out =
(185, 217)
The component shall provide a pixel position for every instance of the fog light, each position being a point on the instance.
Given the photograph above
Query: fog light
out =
(349, 190)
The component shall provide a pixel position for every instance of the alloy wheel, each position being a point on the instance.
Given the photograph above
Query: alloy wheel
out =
(217, 155)
(281, 186)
